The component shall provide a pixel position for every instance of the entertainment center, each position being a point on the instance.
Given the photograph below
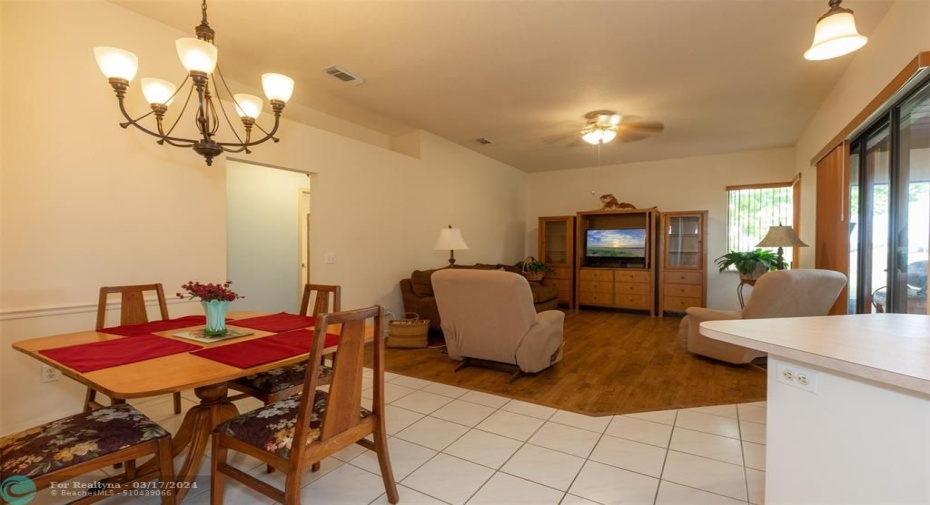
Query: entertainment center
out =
(636, 259)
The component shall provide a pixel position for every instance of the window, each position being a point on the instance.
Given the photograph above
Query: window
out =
(752, 209)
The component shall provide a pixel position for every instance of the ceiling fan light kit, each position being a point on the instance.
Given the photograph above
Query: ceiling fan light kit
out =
(199, 57)
(601, 127)
(835, 34)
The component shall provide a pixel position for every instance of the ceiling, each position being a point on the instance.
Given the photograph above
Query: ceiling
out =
(722, 75)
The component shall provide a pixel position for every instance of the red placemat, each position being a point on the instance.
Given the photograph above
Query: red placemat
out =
(134, 330)
(266, 349)
(301, 339)
(276, 322)
(110, 353)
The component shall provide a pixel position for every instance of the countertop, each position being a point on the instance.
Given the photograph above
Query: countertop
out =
(893, 349)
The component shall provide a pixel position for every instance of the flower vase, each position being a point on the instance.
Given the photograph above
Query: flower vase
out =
(215, 311)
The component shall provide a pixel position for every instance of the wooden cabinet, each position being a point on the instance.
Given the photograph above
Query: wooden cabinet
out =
(616, 259)
(683, 277)
(557, 249)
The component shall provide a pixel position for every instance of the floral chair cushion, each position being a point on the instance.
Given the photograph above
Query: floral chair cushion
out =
(272, 426)
(283, 378)
(76, 439)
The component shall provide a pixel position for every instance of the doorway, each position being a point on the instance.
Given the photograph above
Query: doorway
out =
(263, 237)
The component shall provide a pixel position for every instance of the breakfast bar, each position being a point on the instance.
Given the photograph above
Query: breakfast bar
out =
(848, 416)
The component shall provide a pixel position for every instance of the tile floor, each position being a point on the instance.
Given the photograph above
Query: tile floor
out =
(455, 446)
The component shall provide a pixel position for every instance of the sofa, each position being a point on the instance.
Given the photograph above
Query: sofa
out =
(419, 298)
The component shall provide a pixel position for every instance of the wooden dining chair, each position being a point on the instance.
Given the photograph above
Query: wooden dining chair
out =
(300, 431)
(61, 450)
(132, 310)
(280, 383)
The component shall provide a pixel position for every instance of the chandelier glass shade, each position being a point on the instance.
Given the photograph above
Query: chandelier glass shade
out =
(835, 34)
(203, 83)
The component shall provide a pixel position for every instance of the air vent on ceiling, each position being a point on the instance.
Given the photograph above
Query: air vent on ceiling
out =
(483, 140)
(344, 75)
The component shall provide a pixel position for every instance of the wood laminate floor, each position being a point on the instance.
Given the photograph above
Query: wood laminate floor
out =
(614, 363)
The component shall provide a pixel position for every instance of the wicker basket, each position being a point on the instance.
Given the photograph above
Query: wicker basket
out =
(532, 276)
(410, 332)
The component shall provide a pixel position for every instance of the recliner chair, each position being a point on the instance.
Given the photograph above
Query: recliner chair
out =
(784, 293)
(488, 315)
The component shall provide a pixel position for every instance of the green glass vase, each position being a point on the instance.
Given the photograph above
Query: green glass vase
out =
(215, 310)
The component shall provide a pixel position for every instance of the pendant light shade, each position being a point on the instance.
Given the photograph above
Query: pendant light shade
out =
(278, 87)
(197, 55)
(248, 105)
(116, 63)
(158, 91)
(835, 34)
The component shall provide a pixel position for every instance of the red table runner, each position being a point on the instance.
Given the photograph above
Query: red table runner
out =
(122, 351)
(266, 349)
(134, 330)
(276, 322)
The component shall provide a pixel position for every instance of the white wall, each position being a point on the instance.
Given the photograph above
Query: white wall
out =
(85, 203)
(262, 252)
(671, 185)
(904, 32)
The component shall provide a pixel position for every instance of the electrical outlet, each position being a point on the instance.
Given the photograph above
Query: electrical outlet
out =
(799, 377)
(329, 258)
(50, 374)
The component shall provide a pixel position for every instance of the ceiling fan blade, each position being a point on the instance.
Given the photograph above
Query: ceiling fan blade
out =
(569, 138)
(647, 127)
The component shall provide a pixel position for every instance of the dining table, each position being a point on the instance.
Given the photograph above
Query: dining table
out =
(195, 366)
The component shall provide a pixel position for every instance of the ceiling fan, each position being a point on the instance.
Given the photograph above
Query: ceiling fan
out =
(603, 126)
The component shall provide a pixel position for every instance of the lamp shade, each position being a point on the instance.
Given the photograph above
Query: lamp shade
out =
(197, 55)
(599, 135)
(278, 87)
(116, 63)
(835, 35)
(158, 91)
(248, 105)
(450, 239)
(781, 236)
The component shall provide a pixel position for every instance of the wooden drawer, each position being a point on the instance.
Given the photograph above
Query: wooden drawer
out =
(625, 276)
(632, 301)
(686, 290)
(597, 287)
(559, 272)
(680, 303)
(561, 284)
(590, 274)
(683, 278)
(631, 288)
(591, 298)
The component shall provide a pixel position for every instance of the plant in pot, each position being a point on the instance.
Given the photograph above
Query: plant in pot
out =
(750, 264)
(533, 269)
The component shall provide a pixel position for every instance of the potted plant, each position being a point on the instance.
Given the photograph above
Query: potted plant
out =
(750, 264)
(533, 269)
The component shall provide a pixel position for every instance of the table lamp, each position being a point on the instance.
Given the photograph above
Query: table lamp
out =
(781, 236)
(450, 238)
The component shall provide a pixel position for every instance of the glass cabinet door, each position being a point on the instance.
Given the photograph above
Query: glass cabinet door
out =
(556, 246)
(684, 242)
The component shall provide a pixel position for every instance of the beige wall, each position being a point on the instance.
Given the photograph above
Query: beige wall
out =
(682, 184)
(904, 32)
(85, 203)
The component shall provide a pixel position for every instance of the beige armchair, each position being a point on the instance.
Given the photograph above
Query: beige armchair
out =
(488, 315)
(785, 293)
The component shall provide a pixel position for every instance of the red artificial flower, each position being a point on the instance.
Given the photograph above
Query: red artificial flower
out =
(209, 292)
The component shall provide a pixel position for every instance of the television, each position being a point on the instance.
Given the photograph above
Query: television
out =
(618, 246)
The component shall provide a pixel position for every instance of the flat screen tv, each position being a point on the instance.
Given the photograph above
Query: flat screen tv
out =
(619, 244)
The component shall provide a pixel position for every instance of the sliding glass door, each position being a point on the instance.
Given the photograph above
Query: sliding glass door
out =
(890, 210)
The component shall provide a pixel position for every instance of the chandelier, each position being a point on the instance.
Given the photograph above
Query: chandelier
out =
(835, 34)
(199, 59)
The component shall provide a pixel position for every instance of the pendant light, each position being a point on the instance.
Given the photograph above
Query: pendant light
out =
(835, 34)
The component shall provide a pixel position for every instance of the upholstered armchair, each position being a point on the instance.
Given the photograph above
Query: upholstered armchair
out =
(488, 315)
(785, 293)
